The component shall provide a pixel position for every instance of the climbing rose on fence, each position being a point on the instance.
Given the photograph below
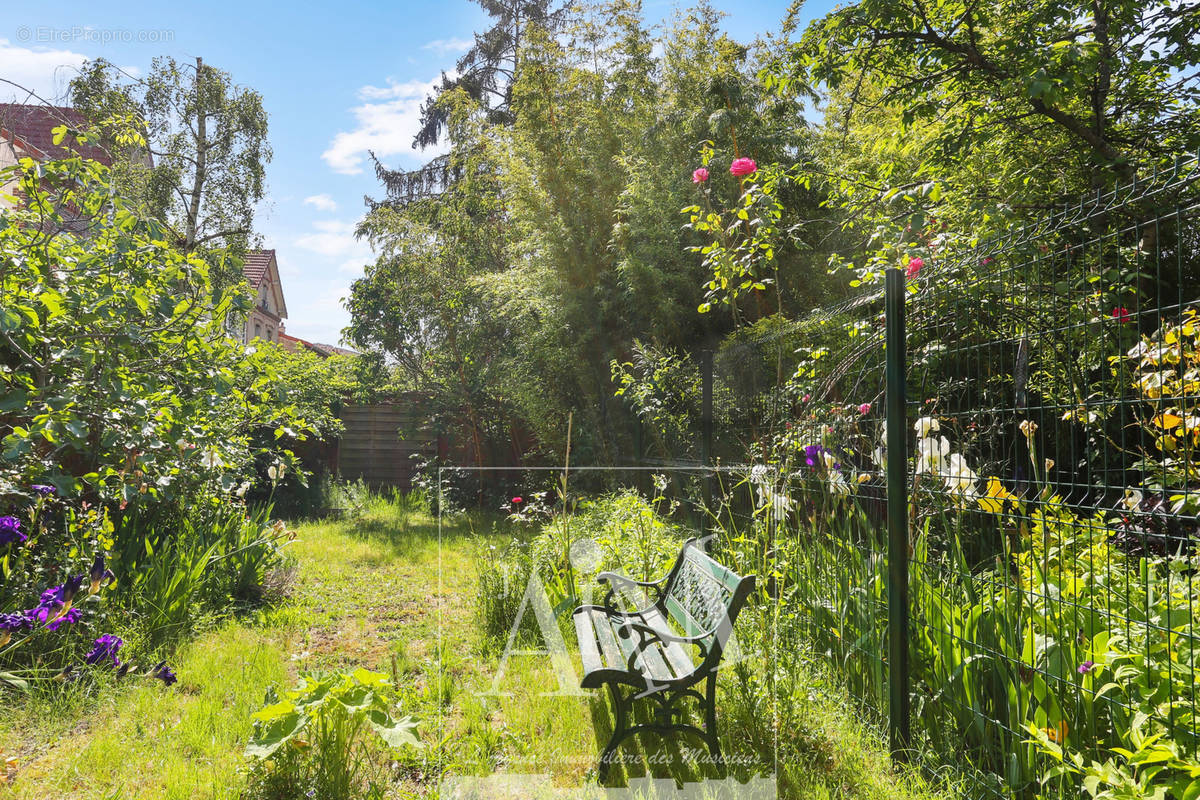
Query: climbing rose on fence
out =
(700, 175)
(743, 166)
(914, 267)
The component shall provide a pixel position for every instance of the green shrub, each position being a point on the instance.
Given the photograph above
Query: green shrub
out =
(316, 740)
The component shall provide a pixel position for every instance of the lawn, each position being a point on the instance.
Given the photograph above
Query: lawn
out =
(388, 591)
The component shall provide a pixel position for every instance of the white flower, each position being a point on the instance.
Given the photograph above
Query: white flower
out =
(960, 479)
(777, 503)
(1029, 428)
(1133, 499)
(211, 460)
(760, 475)
(931, 454)
(927, 425)
(241, 490)
(275, 472)
(838, 483)
(879, 456)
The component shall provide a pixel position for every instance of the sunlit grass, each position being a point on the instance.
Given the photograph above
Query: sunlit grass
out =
(385, 592)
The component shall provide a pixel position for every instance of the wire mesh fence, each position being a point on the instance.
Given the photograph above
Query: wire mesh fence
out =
(1049, 505)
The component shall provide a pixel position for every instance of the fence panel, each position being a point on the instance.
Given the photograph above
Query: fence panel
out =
(1049, 498)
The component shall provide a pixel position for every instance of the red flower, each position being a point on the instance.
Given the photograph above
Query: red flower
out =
(743, 166)
(1121, 315)
(700, 175)
(518, 500)
(914, 267)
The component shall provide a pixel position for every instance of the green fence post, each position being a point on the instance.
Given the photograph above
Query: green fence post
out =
(897, 496)
(706, 435)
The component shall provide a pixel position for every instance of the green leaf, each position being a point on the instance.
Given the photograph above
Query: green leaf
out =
(270, 736)
(395, 733)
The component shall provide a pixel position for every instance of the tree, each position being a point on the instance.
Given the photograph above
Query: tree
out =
(485, 74)
(1115, 81)
(207, 140)
(116, 375)
(422, 303)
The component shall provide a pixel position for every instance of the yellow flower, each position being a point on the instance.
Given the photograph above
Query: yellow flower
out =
(993, 502)
(1058, 734)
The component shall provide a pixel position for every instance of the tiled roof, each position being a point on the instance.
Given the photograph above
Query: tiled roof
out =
(324, 350)
(258, 263)
(35, 125)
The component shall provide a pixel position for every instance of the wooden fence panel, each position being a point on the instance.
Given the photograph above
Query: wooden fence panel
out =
(371, 448)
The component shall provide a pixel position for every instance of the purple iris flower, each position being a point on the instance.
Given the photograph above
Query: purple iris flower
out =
(15, 621)
(811, 453)
(43, 489)
(54, 607)
(70, 617)
(164, 673)
(1086, 667)
(105, 650)
(10, 531)
(98, 574)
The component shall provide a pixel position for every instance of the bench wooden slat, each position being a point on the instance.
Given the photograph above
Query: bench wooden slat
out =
(589, 648)
(676, 653)
(607, 641)
(650, 659)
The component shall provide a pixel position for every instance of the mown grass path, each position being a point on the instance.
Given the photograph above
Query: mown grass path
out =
(367, 592)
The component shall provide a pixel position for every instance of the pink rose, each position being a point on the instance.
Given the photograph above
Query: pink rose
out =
(864, 408)
(914, 267)
(743, 166)
(518, 500)
(700, 175)
(807, 397)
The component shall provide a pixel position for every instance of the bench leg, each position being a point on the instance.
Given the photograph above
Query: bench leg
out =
(619, 725)
(710, 719)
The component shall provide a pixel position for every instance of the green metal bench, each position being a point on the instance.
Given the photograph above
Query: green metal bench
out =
(648, 653)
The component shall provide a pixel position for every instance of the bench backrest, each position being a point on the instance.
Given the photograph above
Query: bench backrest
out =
(704, 597)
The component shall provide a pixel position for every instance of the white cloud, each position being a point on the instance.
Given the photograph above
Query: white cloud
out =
(385, 124)
(44, 72)
(332, 238)
(444, 47)
(321, 202)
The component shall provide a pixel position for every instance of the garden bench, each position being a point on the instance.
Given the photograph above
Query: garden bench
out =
(648, 653)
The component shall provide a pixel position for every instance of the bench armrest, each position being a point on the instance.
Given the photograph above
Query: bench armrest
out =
(648, 636)
(613, 579)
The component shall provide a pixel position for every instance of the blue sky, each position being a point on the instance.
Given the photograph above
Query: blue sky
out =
(337, 79)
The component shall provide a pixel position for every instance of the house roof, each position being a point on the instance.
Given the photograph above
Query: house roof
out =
(35, 125)
(324, 350)
(257, 266)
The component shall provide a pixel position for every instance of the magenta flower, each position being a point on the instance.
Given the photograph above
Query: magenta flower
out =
(743, 166)
(1121, 315)
(1086, 667)
(864, 408)
(518, 500)
(700, 175)
(807, 397)
(914, 267)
